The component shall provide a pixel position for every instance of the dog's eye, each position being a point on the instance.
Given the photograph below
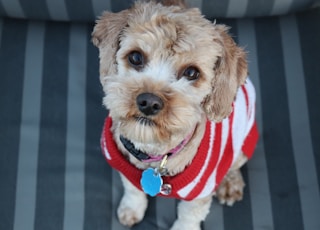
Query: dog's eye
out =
(135, 58)
(191, 73)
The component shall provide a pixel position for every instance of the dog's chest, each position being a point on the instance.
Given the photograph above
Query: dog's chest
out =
(220, 147)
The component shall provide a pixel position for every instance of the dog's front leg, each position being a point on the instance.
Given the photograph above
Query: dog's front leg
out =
(132, 205)
(191, 213)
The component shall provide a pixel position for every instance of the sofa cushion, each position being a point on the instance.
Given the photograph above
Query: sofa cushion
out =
(54, 176)
(88, 10)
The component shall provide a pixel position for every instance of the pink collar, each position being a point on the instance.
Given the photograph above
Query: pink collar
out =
(147, 158)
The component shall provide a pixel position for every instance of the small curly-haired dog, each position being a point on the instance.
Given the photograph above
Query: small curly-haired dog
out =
(181, 109)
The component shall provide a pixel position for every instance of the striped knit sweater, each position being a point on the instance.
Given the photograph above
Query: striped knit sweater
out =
(221, 145)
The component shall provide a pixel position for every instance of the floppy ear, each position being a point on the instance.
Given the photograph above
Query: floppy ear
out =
(105, 36)
(230, 73)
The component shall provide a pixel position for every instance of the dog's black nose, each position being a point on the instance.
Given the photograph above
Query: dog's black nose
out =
(149, 104)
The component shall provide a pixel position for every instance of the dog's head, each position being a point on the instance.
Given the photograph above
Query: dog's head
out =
(164, 70)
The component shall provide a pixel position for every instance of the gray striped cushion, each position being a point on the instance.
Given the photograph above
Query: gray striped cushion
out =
(52, 172)
(88, 10)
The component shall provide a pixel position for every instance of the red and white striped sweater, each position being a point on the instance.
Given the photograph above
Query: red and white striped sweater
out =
(221, 145)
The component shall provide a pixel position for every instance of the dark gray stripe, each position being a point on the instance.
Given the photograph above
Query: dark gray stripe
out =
(299, 5)
(299, 120)
(277, 137)
(166, 212)
(12, 48)
(82, 11)
(35, 9)
(237, 8)
(215, 8)
(57, 9)
(215, 218)
(150, 219)
(29, 132)
(2, 11)
(75, 154)
(1, 23)
(100, 6)
(117, 193)
(240, 213)
(52, 147)
(258, 8)
(257, 169)
(281, 7)
(119, 5)
(98, 176)
(13, 8)
(310, 47)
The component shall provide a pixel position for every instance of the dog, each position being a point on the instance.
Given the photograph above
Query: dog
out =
(181, 108)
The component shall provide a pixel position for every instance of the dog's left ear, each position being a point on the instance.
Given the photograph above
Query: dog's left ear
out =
(230, 73)
(105, 36)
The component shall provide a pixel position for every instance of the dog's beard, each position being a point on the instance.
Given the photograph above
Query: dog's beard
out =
(146, 157)
(149, 137)
(142, 120)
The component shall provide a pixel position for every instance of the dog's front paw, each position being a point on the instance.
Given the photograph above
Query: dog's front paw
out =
(128, 216)
(231, 188)
(132, 209)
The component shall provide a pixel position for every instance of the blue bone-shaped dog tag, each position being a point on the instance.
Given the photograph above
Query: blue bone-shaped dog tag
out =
(151, 182)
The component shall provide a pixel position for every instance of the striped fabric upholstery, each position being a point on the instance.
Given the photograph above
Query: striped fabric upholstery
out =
(88, 10)
(54, 177)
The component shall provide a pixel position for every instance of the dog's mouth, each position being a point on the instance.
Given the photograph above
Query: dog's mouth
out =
(144, 121)
(148, 158)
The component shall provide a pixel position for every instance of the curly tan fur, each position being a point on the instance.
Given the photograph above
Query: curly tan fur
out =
(171, 38)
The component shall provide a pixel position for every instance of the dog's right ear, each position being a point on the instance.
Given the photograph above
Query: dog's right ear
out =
(105, 36)
(231, 71)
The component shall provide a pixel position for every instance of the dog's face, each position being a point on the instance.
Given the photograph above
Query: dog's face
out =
(164, 70)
